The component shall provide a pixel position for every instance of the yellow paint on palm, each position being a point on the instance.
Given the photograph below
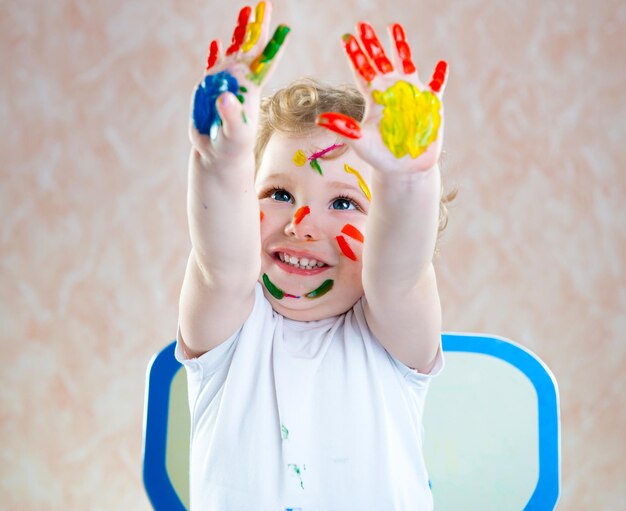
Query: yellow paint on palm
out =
(253, 30)
(299, 158)
(411, 118)
(362, 184)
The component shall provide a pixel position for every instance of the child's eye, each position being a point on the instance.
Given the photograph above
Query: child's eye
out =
(281, 196)
(277, 194)
(344, 203)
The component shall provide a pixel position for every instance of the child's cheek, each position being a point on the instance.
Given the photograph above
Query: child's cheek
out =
(350, 242)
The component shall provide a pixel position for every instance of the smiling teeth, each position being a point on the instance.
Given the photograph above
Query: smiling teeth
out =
(303, 262)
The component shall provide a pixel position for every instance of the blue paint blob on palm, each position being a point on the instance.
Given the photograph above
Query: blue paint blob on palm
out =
(205, 117)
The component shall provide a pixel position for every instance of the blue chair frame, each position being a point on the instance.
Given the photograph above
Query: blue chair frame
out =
(163, 367)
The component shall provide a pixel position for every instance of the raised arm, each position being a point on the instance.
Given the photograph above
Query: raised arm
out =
(218, 289)
(401, 137)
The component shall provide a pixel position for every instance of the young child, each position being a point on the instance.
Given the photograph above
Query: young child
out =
(309, 314)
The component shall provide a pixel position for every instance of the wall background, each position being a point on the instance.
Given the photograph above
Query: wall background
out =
(94, 104)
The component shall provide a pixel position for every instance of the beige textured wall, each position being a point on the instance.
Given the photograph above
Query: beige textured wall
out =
(94, 108)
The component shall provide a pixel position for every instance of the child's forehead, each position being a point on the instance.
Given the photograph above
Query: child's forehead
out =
(318, 156)
(310, 142)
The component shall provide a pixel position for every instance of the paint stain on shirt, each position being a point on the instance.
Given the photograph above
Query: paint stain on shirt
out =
(298, 472)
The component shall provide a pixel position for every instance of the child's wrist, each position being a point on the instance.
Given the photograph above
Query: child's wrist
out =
(404, 179)
(226, 163)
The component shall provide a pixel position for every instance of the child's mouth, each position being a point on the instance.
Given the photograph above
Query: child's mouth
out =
(299, 265)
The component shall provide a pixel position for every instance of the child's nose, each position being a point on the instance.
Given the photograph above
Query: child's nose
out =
(303, 225)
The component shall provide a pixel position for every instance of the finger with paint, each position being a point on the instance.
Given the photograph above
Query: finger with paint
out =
(340, 123)
(253, 31)
(440, 75)
(239, 34)
(214, 54)
(403, 50)
(261, 65)
(358, 58)
(374, 49)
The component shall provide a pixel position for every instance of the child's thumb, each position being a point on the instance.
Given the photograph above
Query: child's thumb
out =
(231, 113)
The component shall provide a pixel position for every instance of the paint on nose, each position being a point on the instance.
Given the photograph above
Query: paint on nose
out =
(300, 214)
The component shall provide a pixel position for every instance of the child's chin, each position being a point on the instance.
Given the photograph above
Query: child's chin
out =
(306, 309)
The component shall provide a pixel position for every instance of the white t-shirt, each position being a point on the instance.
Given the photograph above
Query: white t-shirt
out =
(310, 416)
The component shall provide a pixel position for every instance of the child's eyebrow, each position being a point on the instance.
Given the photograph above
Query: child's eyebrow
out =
(341, 184)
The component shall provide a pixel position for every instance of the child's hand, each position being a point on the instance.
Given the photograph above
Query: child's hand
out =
(402, 129)
(228, 98)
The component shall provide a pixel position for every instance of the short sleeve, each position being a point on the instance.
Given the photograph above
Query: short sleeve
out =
(202, 368)
(416, 378)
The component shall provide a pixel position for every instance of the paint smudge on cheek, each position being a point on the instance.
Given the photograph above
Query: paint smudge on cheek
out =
(300, 214)
(362, 184)
(324, 288)
(261, 216)
(353, 232)
(345, 248)
(277, 293)
(274, 290)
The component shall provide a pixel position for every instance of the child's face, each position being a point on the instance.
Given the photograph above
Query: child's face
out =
(312, 226)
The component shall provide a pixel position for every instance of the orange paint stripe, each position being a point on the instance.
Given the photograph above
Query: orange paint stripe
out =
(300, 214)
(345, 248)
(261, 216)
(353, 232)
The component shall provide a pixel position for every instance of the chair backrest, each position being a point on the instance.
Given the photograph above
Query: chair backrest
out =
(492, 429)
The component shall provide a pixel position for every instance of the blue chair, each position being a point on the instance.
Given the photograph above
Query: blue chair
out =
(492, 429)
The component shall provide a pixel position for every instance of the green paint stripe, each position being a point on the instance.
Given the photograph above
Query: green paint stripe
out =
(274, 291)
(314, 163)
(326, 286)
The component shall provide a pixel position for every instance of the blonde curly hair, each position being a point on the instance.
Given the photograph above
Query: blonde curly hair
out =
(294, 109)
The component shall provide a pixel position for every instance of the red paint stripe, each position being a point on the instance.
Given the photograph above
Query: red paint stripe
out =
(214, 49)
(300, 214)
(261, 216)
(353, 232)
(345, 248)
(239, 34)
